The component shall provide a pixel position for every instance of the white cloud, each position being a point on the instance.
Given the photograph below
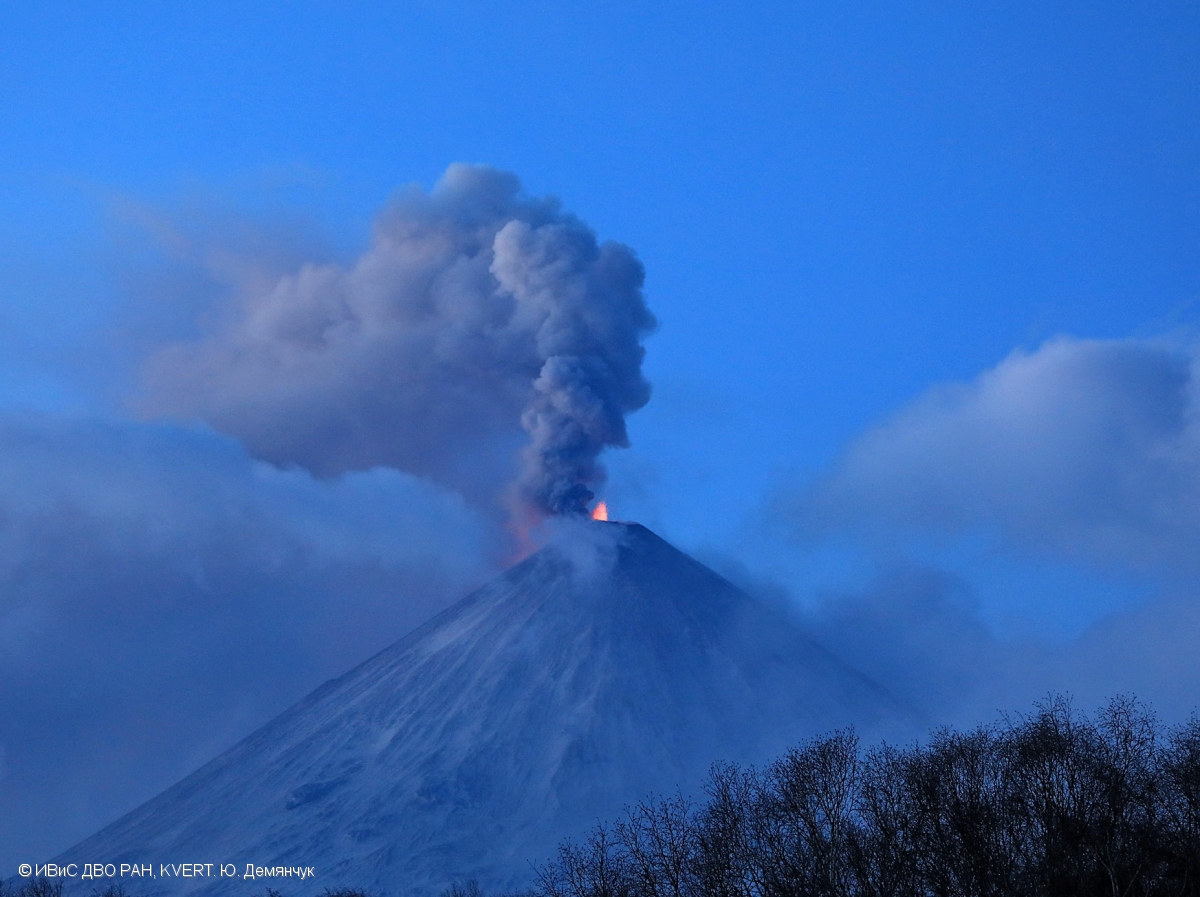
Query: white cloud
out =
(1084, 450)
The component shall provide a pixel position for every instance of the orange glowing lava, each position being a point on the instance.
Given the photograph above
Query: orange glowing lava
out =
(600, 512)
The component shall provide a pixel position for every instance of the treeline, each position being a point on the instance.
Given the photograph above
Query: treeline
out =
(1054, 804)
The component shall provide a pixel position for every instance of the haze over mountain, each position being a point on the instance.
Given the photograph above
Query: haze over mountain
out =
(607, 666)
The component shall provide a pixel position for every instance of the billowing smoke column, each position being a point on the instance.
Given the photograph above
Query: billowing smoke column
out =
(485, 340)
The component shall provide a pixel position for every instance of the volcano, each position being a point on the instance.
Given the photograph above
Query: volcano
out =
(604, 668)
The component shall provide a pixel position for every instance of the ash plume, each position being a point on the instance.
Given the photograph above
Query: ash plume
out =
(485, 340)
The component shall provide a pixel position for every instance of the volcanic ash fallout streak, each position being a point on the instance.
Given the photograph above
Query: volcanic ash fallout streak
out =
(485, 339)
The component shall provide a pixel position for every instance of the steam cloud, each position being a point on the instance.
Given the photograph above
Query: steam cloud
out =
(479, 319)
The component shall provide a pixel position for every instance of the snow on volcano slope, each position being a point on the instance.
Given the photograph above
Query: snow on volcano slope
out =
(599, 670)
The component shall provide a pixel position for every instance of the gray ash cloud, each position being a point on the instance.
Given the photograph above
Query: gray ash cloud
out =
(486, 340)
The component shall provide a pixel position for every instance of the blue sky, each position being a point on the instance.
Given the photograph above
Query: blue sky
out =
(926, 278)
(836, 207)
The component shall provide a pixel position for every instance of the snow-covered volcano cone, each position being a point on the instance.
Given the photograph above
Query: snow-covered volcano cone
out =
(605, 667)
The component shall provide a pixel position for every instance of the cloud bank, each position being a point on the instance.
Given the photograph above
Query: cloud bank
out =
(1083, 454)
(485, 340)
(162, 594)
